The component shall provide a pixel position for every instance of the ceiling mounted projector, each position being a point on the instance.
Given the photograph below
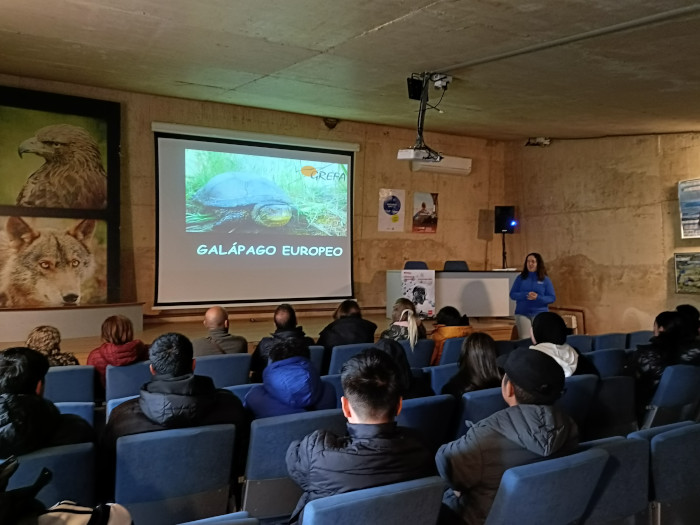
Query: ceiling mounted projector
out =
(424, 153)
(446, 164)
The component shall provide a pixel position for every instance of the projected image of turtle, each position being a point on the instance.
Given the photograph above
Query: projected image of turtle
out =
(244, 201)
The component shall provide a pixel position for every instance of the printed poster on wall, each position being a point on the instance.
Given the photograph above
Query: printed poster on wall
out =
(689, 202)
(687, 272)
(419, 287)
(425, 212)
(391, 210)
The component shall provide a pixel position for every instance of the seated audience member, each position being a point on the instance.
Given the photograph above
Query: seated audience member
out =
(549, 333)
(405, 325)
(29, 422)
(291, 384)
(174, 398)
(47, 340)
(529, 430)
(285, 328)
(448, 324)
(477, 366)
(374, 452)
(219, 341)
(119, 348)
(411, 386)
(348, 327)
(689, 350)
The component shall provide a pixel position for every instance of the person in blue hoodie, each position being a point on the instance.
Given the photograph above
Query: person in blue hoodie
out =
(291, 384)
(532, 292)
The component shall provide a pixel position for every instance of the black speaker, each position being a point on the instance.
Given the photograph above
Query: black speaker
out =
(504, 219)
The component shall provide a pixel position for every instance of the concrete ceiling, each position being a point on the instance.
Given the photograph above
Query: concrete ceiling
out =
(521, 68)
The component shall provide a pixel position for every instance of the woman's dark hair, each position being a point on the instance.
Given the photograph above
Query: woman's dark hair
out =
(118, 330)
(691, 319)
(346, 309)
(672, 329)
(450, 316)
(541, 269)
(477, 362)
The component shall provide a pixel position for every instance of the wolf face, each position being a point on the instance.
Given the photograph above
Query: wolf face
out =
(44, 267)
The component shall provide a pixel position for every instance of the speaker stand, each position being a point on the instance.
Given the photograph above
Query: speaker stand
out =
(503, 244)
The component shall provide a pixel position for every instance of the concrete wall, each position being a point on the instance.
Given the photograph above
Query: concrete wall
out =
(465, 202)
(604, 214)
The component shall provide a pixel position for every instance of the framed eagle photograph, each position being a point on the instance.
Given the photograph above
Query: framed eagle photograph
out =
(59, 199)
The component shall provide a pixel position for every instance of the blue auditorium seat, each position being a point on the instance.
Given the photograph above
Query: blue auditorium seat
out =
(478, 405)
(235, 518)
(607, 341)
(408, 502)
(577, 398)
(266, 468)
(176, 475)
(70, 383)
(440, 375)
(432, 417)
(451, 350)
(240, 391)
(334, 381)
(554, 491)
(415, 265)
(676, 398)
(455, 266)
(613, 410)
(224, 369)
(86, 410)
(123, 381)
(640, 337)
(608, 362)
(581, 342)
(73, 470)
(419, 356)
(623, 488)
(341, 353)
(316, 357)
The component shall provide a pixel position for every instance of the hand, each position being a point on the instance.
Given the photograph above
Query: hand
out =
(532, 296)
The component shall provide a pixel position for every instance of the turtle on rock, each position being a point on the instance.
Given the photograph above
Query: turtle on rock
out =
(241, 199)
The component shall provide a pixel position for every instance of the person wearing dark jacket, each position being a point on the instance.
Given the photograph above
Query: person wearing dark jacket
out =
(348, 327)
(28, 422)
(374, 452)
(291, 384)
(530, 429)
(174, 398)
(286, 328)
(218, 340)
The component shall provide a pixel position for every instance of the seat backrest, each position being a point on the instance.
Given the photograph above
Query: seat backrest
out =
(431, 417)
(334, 381)
(577, 398)
(176, 475)
(623, 488)
(640, 337)
(70, 383)
(266, 468)
(676, 398)
(341, 353)
(478, 405)
(675, 463)
(224, 369)
(316, 355)
(240, 391)
(581, 342)
(455, 266)
(234, 518)
(568, 482)
(451, 350)
(420, 356)
(608, 362)
(415, 265)
(611, 340)
(123, 381)
(612, 411)
(416, 501)
(73, 469)
(84, 409)
(440, 375)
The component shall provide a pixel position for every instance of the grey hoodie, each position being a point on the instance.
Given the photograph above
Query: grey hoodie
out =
(474, 464)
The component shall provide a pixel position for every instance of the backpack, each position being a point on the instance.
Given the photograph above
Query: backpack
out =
(68, 513)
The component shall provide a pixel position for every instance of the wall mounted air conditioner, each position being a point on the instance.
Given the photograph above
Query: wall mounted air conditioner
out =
(453, 165)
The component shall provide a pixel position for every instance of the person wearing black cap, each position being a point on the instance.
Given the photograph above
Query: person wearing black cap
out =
(530, 429)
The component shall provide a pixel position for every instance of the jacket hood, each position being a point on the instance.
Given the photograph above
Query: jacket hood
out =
(294, 382)
(177, 401)
(26, 422)
(297, 331)
(120, 355)
(543, 430)
(564, 354)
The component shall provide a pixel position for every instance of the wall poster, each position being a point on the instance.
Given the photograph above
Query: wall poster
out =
(687, 267)
(392, 206)
(425, 212)
(59, 200)
(689, 202)
(419, 287)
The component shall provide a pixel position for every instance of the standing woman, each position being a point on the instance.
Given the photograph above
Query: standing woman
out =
(532, 292)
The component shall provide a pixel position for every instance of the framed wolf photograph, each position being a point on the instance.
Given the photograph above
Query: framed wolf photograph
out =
(59, 200)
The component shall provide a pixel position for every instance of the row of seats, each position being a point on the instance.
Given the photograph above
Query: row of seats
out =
(449, 266)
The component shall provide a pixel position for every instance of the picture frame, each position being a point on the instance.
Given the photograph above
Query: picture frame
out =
(689, 207)
(687, 270)
(59, 156)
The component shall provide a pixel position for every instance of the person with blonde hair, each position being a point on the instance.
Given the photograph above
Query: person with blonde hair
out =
(47, 340)
(406, 325)
(119, 348)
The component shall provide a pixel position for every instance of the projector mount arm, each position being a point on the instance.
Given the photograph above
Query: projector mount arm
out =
(441, 82)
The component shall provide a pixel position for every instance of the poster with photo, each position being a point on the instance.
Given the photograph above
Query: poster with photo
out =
(419, 287)
(392, 204)
(425, 212)
(689, 203)
(687, 272)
